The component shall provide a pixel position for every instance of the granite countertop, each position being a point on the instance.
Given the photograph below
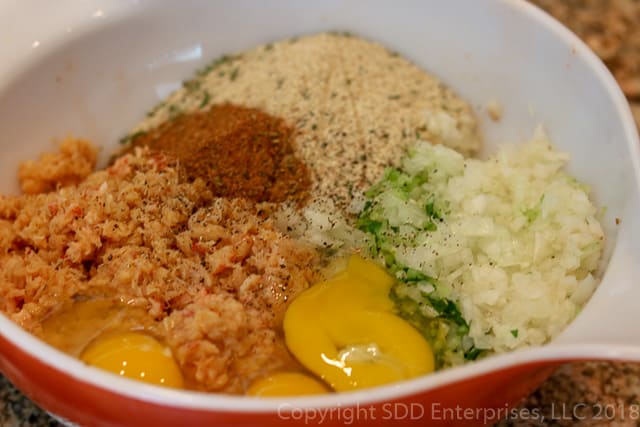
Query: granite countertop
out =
(591, 393)
(611, 28)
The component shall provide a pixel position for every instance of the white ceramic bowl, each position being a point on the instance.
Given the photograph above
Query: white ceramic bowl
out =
(92, 68)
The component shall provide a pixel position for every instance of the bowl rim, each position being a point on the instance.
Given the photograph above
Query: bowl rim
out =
(186, 399)
(215, 402)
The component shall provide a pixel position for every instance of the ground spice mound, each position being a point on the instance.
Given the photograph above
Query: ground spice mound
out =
(238, 151)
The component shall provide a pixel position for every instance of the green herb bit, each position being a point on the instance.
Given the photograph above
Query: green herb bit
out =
(234, 74)
(430, 226)
(174, 111)
(514, 332)
(341, 33)
(215, 64)
(413, 275)
(155, 109)
(532, 213)
(472, 354)
(431, 210)
(350, 189)
(205, 99)
(448, 309)
(191, 85)
(132, 137)
(204, 70)
(369, 225)
(462, 330)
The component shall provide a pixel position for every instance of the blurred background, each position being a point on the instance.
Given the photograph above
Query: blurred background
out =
(612, 29)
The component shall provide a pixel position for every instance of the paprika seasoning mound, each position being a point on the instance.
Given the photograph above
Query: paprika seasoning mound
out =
(238, 151)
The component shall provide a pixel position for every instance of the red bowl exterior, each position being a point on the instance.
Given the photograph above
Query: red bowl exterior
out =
(475, 401)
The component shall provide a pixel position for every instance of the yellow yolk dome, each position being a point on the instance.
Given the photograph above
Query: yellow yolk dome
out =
(344, 331)
(134, 355)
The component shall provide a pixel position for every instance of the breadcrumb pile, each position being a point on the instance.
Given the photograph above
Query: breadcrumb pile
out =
(355, 104)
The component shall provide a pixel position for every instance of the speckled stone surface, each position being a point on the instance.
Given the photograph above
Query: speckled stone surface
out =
(580, 394)
(18, 411)
(611, 28)
(586, 394)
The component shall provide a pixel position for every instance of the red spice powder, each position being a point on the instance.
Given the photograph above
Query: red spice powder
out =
(238, 151)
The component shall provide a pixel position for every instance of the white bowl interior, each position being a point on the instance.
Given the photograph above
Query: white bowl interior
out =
(94, 73)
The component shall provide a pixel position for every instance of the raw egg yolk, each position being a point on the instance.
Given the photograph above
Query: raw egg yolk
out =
(134, 355)
(287, 384)
(344, 331)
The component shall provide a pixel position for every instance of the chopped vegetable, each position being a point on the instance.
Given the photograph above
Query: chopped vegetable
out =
(397, 214)
(483, 250)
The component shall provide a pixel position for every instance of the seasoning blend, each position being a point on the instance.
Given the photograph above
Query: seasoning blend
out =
(238, 152)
